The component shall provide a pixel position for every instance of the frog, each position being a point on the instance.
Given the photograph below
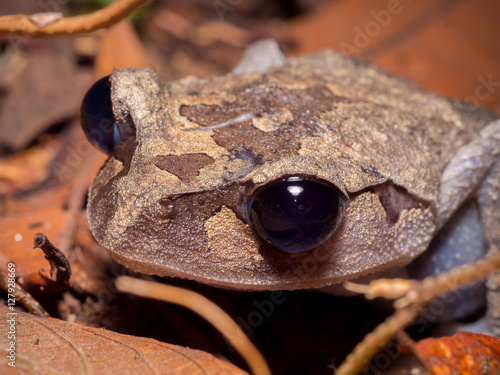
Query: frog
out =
(299, 174)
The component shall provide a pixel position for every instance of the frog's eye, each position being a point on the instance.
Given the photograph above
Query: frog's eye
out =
(295, 214)
(97, 118)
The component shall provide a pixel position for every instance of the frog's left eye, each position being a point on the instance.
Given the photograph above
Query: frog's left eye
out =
(97, 117)
(295, 214)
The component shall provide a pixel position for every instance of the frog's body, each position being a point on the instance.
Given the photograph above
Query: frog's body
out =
(171, 198)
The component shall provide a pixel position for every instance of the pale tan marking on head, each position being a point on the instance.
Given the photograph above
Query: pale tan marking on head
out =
(271, 121)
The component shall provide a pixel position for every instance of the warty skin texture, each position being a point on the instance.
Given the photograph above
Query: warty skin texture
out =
(402, 158)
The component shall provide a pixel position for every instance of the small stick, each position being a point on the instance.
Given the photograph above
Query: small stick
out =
(21, 24)
(21, 295)
(58, 262)
(409, 306)
(204, 307)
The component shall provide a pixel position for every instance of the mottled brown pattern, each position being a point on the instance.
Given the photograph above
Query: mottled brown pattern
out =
(306, 105)
(186, 167)
(269, 145)
(405, 158)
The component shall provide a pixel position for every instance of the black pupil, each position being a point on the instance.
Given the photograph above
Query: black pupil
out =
(296, 214)
(97, 116)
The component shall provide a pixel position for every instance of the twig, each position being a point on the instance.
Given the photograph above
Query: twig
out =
(39, 283)
(21, 24)
(410, 306)
(58, 262)
(21, 295)
(205, 308)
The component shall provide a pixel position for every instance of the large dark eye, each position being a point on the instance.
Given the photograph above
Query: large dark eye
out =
(295, 214)
(97, 118)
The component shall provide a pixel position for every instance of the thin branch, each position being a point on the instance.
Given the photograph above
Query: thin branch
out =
(410, 305)
(203, 307)
(26, 25)
(58, 262)
(22, 296)
(39, 284)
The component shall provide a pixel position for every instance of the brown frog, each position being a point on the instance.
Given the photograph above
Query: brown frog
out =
(314, 171)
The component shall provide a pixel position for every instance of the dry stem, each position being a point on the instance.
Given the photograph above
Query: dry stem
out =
(22, 296)
(21, 24)
(203, 307)
(409, 306)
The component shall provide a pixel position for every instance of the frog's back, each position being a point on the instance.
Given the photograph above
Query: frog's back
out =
(371, 126)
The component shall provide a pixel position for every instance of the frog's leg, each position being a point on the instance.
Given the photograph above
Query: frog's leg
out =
(489, 203)
(466, 171)
(459, 242)
(468, 214)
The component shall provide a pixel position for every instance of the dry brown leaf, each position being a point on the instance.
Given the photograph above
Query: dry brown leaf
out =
(45, 208)
(44, 94)
(16, 237)
(416, 39)
(464, 353)
(47, 345)
(27, 168)
(120, 47)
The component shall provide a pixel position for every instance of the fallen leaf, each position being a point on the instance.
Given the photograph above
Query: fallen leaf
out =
(414, 39)
(16, 236)
(464, 353)
(44, 94)
(47, 345)
(41, 208)
(26, 168)
(120, 47)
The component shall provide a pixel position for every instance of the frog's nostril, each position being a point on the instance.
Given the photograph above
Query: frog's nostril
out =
(295, 214)
(97, 118)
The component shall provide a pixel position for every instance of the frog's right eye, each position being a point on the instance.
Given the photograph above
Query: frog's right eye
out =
(295, 214)
(97, 117)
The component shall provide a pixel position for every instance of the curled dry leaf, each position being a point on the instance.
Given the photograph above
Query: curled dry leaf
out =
(46, 345)
(464, 353)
